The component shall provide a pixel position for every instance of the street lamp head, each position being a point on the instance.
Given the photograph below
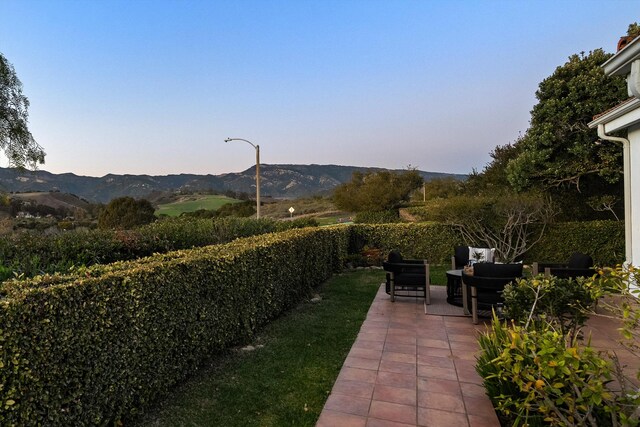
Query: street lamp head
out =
(227, 140)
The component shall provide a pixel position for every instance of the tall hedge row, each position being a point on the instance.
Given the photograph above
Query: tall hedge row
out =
(431, 241)
(603, 240)
(92, 347)
(100, 343)
(31, 253)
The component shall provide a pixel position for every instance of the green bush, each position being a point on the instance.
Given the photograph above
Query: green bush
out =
(29, 254)
(431, 241)
(101, 343)
(603, 240)
(541, 377)
(539, 302)
(379, 217)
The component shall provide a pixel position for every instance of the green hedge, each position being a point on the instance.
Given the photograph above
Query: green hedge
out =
(93, 347)
(431, 241)
(100, 343)
(32, 253)
(603, 240)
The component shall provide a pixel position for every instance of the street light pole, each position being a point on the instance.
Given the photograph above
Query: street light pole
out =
(257, 147)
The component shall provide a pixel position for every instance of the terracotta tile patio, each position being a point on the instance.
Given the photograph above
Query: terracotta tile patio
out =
(410, 369)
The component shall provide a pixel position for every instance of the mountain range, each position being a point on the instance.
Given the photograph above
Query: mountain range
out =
(277, 181)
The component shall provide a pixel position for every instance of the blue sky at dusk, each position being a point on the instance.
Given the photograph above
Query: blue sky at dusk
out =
(154, 87)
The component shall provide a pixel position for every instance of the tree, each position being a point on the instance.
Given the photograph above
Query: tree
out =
(15, 139)
(126, 213)
(511, 223)
(439, 188)
(376, 191)
(494, 175)
(558, 153)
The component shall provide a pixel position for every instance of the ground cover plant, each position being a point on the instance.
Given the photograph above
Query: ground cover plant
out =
(287, 381)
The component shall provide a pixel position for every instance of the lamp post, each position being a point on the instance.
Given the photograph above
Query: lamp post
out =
(257, 147)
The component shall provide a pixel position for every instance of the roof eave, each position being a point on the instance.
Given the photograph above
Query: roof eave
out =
(620, 63)
(610, 119)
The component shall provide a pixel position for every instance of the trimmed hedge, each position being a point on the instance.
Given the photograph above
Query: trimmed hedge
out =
(31, 253)
(432, 241)
(603, 240)
(93, 347)
(100, 343)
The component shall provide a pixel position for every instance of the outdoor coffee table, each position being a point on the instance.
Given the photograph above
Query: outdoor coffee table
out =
(456, 291)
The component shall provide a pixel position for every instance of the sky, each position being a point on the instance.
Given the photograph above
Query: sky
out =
(155, 86)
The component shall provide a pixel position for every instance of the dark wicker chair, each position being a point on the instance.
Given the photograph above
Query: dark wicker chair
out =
(460, 257)
(405, 276)
(487, 283)
(579, 265)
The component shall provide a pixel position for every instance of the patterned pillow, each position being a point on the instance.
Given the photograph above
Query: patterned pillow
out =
(481, 254)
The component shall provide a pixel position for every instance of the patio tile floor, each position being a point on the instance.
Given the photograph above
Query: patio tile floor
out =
(411, 369)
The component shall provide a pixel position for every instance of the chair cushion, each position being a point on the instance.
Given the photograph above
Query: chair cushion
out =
(580, 260)
(487, 269)
(481, 254)
(394, 256)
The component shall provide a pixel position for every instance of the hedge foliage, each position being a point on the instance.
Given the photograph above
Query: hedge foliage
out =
(99, 343)
(431, 241)
(32, 253)
(94, 346)
(603, 240)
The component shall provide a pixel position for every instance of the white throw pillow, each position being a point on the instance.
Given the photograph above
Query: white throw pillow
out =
(481, 254)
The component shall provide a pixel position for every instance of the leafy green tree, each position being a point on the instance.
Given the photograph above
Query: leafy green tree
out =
(376, 191)
(558, 153)
(15, 139)
(439, 188)
(494, 175)
(126, 213)
(559, 148)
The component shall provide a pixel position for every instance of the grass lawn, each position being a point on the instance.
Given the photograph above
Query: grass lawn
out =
(194, 203)
(286, 382)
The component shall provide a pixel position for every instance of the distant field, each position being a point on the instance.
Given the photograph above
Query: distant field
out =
(194, 203)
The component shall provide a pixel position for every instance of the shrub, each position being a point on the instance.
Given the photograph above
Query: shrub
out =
(30, 254)
(378, 217)
(539, 302)
(126, 213)
(540, 376)
(102, 342)
(431, 241)
(603, 240)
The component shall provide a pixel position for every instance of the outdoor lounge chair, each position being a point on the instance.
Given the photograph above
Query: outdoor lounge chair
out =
(407, 275)
(463, 254)
(579, 265)
(487, 283)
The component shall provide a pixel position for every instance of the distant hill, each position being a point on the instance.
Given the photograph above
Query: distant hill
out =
(54, 199)
(278, 181)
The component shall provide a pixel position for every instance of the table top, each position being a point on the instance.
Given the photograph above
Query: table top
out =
(454, 273)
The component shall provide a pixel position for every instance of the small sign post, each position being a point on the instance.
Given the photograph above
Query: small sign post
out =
(291, 210)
